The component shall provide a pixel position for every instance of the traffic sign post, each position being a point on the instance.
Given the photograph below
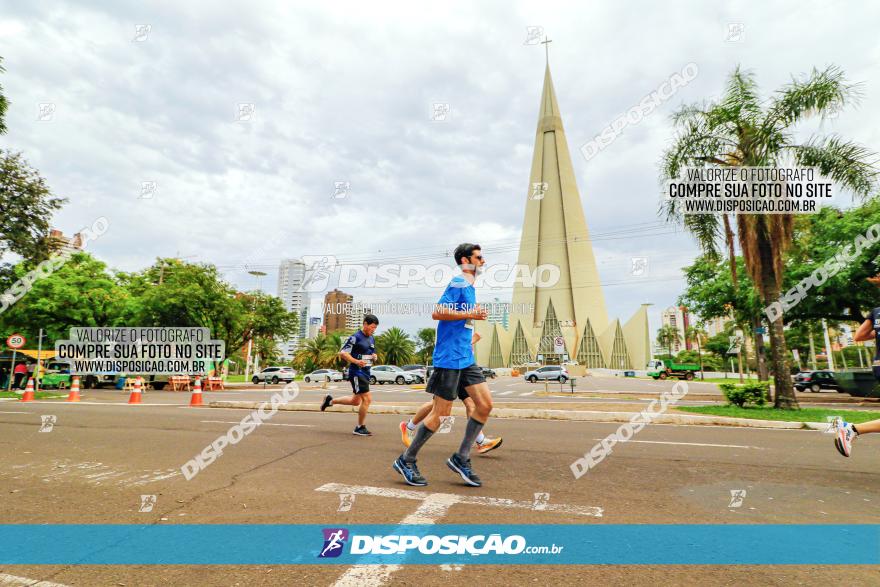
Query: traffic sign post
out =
(15, 342)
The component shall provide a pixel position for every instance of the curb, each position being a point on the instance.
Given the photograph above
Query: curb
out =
(539, 414)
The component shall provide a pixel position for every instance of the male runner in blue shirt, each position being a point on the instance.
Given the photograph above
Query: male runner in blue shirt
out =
(454, 369)
(360, 352)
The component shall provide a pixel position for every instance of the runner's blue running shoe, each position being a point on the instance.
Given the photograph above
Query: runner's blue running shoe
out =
(410, 472)
(463, 468)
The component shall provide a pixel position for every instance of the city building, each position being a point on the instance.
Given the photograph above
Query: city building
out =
(292, 292)
(338, 309)
(59, 243)
(715, 326)
(571, 312)
(314, 326)
(499, 313)
(677, 317)
(356, 318)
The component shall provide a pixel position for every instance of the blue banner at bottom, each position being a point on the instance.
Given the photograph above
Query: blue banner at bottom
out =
(252, 544)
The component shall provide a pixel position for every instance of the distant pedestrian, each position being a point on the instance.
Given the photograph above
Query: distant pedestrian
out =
(21, 372)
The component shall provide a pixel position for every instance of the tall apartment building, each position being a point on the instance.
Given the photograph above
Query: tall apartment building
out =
(291, 277)
(356, 319)
(314, 326)
(714, 326)
(61, 243)
(338, 311)
(677, 317)
(499, 313)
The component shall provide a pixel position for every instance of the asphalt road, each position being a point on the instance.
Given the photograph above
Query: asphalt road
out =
(100, 458)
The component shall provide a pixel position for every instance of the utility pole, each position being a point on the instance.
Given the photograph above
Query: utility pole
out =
(828, 352)
(812, 348)
(39, 356)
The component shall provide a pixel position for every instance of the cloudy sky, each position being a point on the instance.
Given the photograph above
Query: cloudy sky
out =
(344, 92)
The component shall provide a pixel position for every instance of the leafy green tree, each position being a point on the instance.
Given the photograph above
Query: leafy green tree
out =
(81, 293)
(817, 239)
(395, 347)
(425, 338)
(4, 104)
(742, 130)
(175, 293)
(26, 208)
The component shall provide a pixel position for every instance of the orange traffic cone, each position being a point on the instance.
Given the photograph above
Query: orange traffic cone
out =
(135, 397)
(73, 396)
(28, 395)
(196, 398)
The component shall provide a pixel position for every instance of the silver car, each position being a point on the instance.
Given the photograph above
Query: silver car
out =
(323, 375)
(550, 372)
(390, 374)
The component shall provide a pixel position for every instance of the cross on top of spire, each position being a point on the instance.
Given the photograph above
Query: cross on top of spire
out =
(546, 42)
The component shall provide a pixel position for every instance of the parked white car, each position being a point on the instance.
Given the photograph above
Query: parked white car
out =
(323, 375)
(274, 375)
(390, 374)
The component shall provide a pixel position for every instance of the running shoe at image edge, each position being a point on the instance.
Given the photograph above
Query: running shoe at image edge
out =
(845, 436)
(488, 444)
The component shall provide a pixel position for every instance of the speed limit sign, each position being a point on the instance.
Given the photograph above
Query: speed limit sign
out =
(15, 341)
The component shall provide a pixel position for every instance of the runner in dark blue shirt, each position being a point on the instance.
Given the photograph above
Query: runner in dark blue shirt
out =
(359, 350)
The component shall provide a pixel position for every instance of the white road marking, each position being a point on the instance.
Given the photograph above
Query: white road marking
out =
(13, 580)
(528, 393)
(693, 444)
(433, 506)
(14, 413)
(506, 392)
(466, 499)
(264, 423)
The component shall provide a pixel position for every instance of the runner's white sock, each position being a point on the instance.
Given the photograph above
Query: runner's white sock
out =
(481, 438)
(410, 425)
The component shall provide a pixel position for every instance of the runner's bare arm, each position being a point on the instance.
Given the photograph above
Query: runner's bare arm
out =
(865, 332)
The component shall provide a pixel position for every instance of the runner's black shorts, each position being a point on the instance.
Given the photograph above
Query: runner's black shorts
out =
(450, 383)
(359, 384)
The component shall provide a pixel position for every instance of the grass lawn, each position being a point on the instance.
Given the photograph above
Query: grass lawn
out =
(37, 395)
(770, 413)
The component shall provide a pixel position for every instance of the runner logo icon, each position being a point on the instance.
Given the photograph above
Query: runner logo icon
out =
(334, 541)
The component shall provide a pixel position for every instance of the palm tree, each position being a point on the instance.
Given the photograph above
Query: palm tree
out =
(329, 355)
(426, 338)
(743, 130)
(668, 336)
(308, 354)
(697, 333)
(395, 347)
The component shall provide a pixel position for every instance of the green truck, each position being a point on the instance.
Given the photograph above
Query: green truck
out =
(661, 369)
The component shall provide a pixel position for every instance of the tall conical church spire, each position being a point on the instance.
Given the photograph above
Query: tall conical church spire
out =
(555, 233)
